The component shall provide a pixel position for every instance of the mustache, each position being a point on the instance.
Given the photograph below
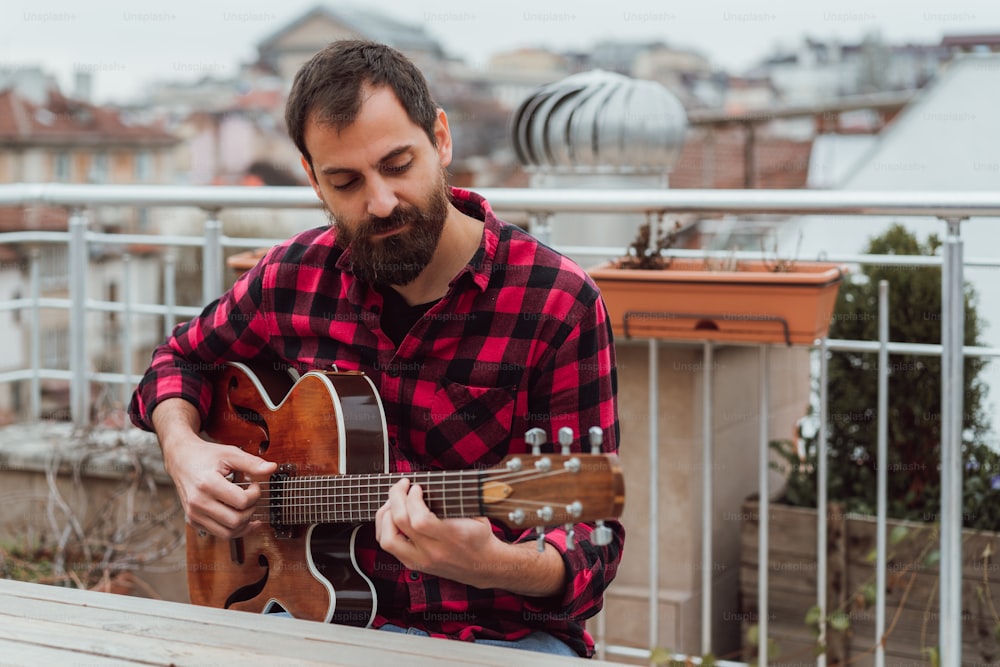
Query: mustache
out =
(397, 218)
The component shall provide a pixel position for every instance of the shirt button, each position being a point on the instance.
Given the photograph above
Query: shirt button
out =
(393, 372)
(414, 576)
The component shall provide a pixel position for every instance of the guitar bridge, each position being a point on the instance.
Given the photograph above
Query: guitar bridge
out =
(284, 473)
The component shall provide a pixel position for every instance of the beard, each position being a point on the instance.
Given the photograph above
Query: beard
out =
(400, 258)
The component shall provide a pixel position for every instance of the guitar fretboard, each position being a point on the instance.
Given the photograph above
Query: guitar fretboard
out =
(356, 498)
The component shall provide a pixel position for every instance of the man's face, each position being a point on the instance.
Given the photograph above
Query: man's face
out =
(383, 184)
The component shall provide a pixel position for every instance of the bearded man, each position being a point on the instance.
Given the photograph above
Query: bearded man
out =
(470, 329)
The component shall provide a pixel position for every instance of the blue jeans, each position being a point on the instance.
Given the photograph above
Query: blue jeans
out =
(541, 642)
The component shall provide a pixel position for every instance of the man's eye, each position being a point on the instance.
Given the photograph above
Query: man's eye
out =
(346, 186)
(397, 169)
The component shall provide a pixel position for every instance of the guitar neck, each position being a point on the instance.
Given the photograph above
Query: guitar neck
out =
(292, 501)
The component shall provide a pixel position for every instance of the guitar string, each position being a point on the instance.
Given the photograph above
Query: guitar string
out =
(383, 481)
(391, 478)
(454, 498)
(494, 508)
(314, 489)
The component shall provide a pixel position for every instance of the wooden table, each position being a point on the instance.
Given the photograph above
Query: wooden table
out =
(48, 625)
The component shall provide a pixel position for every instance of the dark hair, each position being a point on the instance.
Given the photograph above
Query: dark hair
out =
(329, 87)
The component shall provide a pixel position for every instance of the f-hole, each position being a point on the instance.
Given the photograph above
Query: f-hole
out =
(250, 416)
(250, 591)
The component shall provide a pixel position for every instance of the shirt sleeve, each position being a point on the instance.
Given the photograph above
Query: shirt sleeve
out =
(579, 390)
(232, 327)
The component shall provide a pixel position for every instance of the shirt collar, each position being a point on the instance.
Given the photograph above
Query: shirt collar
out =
(481, 264)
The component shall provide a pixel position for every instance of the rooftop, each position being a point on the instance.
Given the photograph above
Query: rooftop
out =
(65, 121)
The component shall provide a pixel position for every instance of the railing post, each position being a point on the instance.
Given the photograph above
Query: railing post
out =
(882, 479)
(822, 508)
(654, 494)
(79, 393)
(952, 385)
(126, 331)
(540, 226)
(706, 500)
(763, 525)
(211, 275)
(36, 340)
(170, 291)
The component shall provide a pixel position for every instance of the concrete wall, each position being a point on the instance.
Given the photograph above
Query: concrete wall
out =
(100, 494)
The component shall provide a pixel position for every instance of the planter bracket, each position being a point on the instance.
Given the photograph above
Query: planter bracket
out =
(654, 315)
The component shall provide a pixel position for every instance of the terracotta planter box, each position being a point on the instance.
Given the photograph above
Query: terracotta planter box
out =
(242, 262)
(689, 301)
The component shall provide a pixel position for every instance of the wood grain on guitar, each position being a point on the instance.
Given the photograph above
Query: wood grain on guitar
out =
(327, 432)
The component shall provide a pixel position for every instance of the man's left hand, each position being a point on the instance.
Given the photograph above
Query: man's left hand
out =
(463, 550)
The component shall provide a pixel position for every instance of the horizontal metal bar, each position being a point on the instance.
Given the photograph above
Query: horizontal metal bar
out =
(27, 374)
(212, 198)
(930, 203)
(165, 240)
(33, 236)
(140, 308)
(920, 349)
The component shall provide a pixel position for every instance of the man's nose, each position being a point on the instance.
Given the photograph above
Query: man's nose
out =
(381, 199)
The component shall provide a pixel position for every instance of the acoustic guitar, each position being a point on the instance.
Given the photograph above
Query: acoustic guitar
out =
(327, 432)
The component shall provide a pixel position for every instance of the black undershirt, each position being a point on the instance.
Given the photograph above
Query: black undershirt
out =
(398, 317)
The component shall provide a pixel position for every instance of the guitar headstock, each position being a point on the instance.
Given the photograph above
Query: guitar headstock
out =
(540, 490)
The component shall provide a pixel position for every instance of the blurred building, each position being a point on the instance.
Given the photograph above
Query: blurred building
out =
(46, 136)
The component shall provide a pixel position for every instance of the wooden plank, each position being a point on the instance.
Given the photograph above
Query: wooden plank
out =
(18, 654)
(797, 533)
(118, 643)
(276, 642)
(120, 619)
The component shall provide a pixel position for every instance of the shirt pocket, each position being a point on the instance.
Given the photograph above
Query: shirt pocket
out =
(470, 425)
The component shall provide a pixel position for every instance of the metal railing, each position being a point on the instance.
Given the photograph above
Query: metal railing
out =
(951, 208)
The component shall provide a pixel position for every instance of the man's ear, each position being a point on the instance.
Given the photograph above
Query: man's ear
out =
(312, 177)
(442, 134)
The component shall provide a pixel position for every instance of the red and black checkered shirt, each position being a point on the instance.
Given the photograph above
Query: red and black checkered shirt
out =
(521, 339)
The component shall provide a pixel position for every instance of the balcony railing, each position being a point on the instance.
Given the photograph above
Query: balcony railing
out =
(951, 208)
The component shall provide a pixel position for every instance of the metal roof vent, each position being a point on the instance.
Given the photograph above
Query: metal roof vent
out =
(599, 122)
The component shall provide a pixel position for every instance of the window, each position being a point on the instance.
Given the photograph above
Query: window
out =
(55, 348)
(53, 267)
(98, 168)
(143, 166)
(62, 169)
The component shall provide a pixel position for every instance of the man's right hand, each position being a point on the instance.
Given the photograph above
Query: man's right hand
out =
(200, 471)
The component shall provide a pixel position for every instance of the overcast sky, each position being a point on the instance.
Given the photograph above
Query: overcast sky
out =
(126, 44)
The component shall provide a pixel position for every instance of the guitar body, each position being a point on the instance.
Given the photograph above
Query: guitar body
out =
(324, 423)
(327, 433)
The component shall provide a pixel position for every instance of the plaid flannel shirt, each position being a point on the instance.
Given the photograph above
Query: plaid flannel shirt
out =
(521, 339)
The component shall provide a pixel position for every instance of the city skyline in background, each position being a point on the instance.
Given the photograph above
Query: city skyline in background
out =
(128, 47)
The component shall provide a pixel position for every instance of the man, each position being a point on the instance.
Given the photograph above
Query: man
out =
(470, 329)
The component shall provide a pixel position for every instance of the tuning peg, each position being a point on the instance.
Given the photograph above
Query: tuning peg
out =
(536, 438)
(540, 540)
(602, 535)
(570, 537)
(566, 439)
(596, 439)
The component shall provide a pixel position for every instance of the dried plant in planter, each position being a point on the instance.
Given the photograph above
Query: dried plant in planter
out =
(645, 253)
